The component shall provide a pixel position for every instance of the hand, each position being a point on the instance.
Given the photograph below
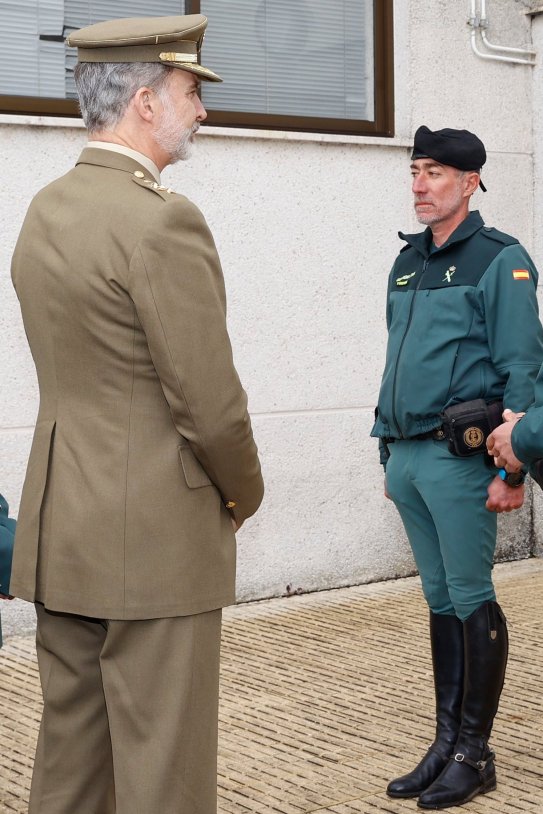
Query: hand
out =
(499, 443)
(386, 490)
(509, 415)
(504, 498)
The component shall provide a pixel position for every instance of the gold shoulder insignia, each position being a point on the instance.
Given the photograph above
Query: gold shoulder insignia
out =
(149, 183)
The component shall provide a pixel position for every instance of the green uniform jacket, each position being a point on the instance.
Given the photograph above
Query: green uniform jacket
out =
(527, 436)
(463, 324)
(143, 433)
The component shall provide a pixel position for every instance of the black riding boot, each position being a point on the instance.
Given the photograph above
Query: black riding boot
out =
(470, 771)
(447, 641)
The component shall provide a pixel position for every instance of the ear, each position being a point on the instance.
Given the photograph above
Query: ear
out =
(146, 103)
(471, 182)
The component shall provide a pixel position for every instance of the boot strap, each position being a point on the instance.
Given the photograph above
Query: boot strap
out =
(478, 765)
(441, 753)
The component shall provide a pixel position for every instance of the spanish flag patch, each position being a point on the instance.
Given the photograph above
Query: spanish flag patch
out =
(521, 274)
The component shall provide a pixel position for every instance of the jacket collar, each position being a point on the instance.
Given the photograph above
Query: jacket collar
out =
(147, 162)
(422, 241)
(111, 160)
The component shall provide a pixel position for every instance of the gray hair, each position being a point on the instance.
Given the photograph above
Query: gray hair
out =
(105, 89)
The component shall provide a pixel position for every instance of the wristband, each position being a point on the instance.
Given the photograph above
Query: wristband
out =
(513, 479)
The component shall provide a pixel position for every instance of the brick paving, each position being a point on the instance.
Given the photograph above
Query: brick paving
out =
(327, 696)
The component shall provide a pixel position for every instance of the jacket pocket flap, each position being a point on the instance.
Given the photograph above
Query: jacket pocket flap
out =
(194, 473)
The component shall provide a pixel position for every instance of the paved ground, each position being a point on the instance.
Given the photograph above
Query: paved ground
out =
(327, 696)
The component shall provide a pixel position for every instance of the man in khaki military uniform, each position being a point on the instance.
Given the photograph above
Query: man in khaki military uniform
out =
(143, 462)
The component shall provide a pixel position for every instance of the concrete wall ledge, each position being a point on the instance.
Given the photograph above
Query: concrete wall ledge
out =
(25, 120)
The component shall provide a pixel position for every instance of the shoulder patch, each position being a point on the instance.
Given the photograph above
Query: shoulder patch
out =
(499, 237)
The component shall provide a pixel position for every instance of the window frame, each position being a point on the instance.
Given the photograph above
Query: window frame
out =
(382, 125)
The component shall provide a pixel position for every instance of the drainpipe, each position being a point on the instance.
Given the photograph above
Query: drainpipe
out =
(484, 25)
(479, 22)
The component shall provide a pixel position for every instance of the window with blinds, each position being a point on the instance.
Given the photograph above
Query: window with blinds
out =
(287, 64)
(36, 66)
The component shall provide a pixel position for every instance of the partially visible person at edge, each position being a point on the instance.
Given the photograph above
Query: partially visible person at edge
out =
(463, 325)
(7, 533)
(143, 463)
(517, 445)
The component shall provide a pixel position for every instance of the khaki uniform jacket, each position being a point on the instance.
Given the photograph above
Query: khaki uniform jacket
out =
(143, 434)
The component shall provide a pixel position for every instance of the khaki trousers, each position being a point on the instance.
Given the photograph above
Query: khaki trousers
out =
(130, 715)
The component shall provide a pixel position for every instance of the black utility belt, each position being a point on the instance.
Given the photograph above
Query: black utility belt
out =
(468, 425)
(465, 427)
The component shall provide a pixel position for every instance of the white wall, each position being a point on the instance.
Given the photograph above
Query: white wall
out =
(307, 230)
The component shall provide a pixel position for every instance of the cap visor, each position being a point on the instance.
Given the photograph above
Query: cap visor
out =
(205, 73)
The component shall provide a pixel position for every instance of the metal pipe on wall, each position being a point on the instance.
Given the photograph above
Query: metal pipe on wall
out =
(478, 22)
(483, 24)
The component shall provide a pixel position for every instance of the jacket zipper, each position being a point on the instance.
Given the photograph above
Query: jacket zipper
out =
(424, 267)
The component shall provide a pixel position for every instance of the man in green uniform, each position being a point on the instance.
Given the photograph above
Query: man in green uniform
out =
(143, 463)
(460, 295)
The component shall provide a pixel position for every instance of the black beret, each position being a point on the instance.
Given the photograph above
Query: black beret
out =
(456, 148)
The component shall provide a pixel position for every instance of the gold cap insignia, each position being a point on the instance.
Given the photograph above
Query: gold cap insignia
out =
(170, 56)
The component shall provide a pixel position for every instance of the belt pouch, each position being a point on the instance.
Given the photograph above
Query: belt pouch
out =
(468, 425)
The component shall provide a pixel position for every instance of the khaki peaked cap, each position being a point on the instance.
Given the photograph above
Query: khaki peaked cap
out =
(172, 41)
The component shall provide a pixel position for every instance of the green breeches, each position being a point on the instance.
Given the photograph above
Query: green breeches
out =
(441, 500)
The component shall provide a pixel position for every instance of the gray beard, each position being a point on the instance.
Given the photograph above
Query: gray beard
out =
(177, 145)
